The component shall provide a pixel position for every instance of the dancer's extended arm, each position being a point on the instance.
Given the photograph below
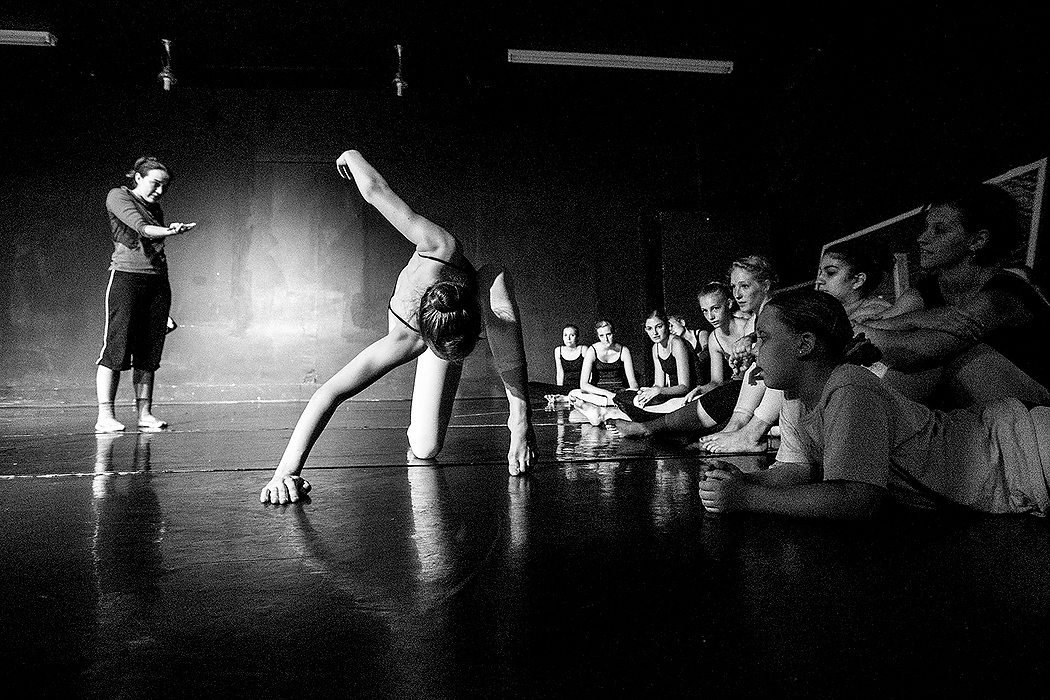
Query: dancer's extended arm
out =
(425, 235)
(397, 347)
(503, 328)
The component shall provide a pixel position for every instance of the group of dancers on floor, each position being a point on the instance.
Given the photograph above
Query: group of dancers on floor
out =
(715, 366)
(938, 399)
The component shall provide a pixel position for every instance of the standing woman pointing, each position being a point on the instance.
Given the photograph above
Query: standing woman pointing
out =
(138, 296)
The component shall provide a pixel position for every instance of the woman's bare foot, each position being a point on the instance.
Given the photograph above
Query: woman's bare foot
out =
(630, 429)
(106, 424)
(736, 442)
(148, 421)
(595, 415)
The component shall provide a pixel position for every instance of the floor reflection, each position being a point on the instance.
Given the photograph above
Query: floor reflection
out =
(128, 565)
(674, 492)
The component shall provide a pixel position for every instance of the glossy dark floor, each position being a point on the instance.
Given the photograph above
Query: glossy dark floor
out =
(143, 566)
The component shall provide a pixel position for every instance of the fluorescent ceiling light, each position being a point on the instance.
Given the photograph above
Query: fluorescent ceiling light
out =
(605, 60)
(27, 37)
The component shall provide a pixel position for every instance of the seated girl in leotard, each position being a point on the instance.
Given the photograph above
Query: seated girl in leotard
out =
(673, 367)
(568, 362)
(435, 316)
(848, 440)
(752, 279)
(729, 327)
(697, 340)
(607, 368)
(850, 271)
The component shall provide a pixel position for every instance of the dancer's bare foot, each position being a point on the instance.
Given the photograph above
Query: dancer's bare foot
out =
(149, 422)
(105, 424)
(595, 415)
(736, 442)
(629, 428)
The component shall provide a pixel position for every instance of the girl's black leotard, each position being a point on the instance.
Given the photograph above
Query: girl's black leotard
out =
(670, 367)
(727, 370)
(609, 375)
(701, 363)
(468, 271)
(572, 369)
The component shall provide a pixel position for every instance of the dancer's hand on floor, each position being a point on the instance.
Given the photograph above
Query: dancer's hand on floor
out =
(284, 489)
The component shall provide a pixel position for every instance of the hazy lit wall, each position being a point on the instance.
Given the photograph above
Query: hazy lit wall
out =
(288, 274)
(604, 192)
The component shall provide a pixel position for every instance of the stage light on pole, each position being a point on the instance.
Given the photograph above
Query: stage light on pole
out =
(166, 76)
(399, 82)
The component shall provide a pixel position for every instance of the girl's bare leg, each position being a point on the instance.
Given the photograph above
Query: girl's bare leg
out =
(106, 381)
(433, 396)
(143, 381)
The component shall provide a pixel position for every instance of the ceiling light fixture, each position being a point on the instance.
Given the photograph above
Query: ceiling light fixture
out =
(604, 60)
(166, 76)
(399, 83)
(27, 37)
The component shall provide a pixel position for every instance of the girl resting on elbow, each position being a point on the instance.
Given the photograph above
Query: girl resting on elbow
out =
(848, 440)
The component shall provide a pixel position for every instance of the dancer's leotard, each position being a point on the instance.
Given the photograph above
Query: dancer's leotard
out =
(609, 375)
(467, 270)
(571, 369)
(670, 367)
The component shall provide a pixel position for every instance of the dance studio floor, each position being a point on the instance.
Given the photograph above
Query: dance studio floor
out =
(144, 566)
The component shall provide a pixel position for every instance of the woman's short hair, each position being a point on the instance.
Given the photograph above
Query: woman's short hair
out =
(144, 164)
(573, 326)
(758, 266)
(991, 208)
(817, 312)
(602, 323)
(450, 319)
(872, 260)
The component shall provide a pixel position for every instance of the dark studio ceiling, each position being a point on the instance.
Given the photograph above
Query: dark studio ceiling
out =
(832, 92)
(451, 46)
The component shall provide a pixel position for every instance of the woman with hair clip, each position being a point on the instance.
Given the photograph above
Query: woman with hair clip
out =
(848, 440)
(434, 316)
(138, 296)
(849, 271)
(752, 280)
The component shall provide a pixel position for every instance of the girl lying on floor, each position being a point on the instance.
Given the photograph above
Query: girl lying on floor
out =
(848, 440)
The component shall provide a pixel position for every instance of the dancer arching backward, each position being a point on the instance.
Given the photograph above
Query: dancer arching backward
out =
(607, 368)
(732, 404)
(848, 440)
(434, 317)
(850, 272)
(673, 366)
(138, 296)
